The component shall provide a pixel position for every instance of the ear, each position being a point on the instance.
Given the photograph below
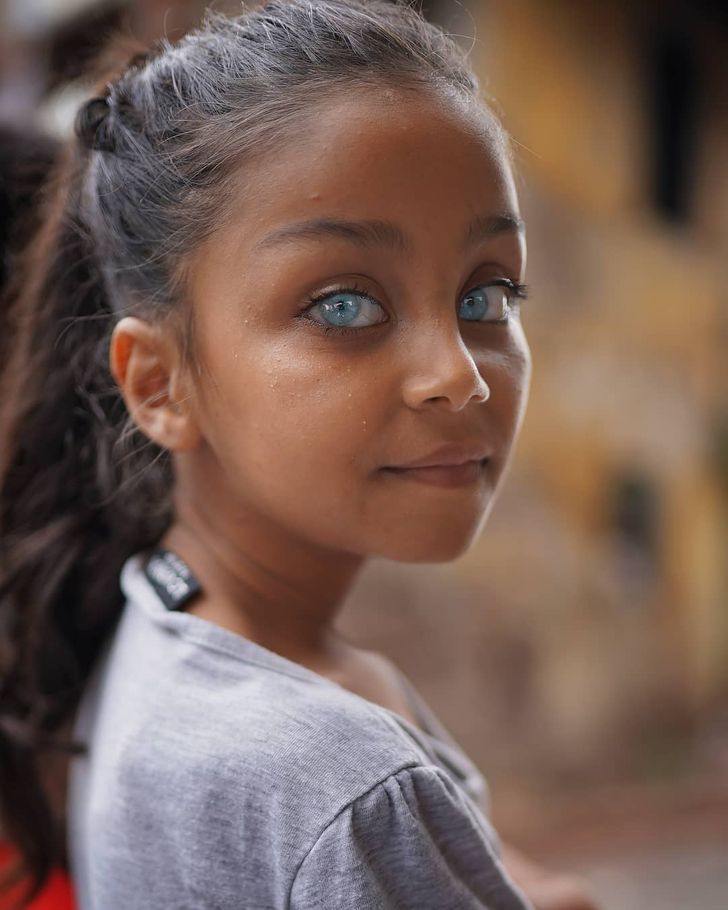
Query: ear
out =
(147, 367)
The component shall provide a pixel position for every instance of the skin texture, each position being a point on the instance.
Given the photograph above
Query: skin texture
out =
(279, 431)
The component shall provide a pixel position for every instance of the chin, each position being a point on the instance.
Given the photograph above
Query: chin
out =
(430, 535)
(429, 525)
(448, 552)
(434, 544)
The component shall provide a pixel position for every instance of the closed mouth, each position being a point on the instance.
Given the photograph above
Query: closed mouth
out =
(464, 474)
(398, 469)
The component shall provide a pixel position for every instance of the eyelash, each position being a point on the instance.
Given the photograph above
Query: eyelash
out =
(520, 292)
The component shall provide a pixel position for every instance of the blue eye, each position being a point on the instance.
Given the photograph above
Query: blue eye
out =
(490, 302)
(352, 309)
(347, 309)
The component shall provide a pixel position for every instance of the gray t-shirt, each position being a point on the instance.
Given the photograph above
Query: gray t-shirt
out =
(222, 775)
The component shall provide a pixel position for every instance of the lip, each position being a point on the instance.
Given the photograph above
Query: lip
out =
(451, 465)
(455, 475)
(449, 455)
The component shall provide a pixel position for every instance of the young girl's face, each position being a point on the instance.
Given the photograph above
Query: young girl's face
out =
(394, 213)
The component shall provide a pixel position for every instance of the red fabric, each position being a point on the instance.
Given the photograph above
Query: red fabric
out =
(56, 895)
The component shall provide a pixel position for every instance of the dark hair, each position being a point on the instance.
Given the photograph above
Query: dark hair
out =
(143, 182)
(26, 157)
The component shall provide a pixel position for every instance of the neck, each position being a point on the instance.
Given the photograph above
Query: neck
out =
(261, 581)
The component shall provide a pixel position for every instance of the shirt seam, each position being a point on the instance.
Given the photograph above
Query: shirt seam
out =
(228, 652)
(375, 711)
(347, 805)
(184, 631)
(380, 713)
(433, 731)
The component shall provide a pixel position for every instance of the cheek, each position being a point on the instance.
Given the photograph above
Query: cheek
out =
(505, 364)
(522, 369)
(297, 419)
(510, 376)
(517, 357)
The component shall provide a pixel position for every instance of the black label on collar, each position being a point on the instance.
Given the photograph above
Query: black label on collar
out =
(171, 578)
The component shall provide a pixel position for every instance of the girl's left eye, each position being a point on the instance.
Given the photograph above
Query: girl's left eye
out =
(492, 302)
(346, 308)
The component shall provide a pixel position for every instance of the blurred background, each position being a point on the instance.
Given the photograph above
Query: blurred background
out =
(579, 652)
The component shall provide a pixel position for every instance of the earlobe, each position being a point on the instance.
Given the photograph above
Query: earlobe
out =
(146, 365)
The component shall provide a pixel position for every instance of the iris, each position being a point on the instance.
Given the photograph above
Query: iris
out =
(348, 308)
(477, 303)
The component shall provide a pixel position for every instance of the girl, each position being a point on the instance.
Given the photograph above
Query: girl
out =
(270, 328)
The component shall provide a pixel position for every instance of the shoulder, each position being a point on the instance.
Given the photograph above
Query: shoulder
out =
(326, 740)
(412, 841)
(259, 742)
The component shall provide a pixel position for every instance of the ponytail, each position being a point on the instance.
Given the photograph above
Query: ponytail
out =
(64, 527)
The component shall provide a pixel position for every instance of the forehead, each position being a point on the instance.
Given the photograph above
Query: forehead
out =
(421, 159)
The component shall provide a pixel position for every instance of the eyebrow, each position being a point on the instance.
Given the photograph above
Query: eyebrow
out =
(385, 234)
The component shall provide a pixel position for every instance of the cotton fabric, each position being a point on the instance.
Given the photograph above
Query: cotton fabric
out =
(220, 774)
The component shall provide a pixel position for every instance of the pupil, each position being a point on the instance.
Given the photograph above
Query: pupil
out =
(342, 310)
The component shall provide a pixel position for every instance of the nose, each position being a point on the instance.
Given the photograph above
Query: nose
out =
(444, 372)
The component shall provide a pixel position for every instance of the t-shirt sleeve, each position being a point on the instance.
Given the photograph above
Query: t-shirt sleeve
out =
(412, 842)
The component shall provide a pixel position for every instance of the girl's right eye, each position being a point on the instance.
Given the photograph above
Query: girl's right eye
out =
(346, 309)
